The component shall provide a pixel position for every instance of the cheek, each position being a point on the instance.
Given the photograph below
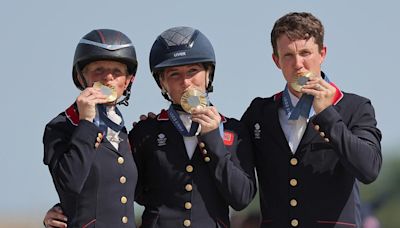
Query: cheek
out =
(200, 82)
(90, 80)
(122, 84)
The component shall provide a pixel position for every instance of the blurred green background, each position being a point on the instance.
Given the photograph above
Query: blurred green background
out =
(380, 199)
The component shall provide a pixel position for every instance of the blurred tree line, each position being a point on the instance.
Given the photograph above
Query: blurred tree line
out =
(380, 199)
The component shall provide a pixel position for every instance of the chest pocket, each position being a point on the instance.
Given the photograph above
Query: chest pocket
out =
(321, 157)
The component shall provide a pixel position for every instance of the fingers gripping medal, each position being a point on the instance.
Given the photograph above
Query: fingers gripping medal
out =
(301, 80)
(193, 98)
(109, 92)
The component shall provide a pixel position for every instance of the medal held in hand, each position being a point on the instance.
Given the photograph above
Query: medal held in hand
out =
(301, 80)
(107, 91)
(193, 98)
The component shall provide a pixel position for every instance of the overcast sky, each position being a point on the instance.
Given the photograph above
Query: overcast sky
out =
(38, 40)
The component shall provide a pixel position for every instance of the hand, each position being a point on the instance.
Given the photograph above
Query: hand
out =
(87, 101)
(55, 218)
(208, 118)
(322, 91)
(150, 115)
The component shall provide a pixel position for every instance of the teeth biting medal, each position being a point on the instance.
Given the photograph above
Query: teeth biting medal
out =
(107, 91)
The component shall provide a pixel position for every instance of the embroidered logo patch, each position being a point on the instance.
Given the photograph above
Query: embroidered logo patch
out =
(228, 138)
(257, 131)
(161, 140)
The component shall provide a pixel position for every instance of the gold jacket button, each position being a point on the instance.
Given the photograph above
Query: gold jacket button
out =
(122, 180)
(316, 127)
(99, 137)
(187, 223)
(124, 200)
(120, 160)
(189, 168)
(204, 151)
(326, 139)
(97, 144)
(294, 222)
(293, 182)
(322, 134)
(188, 205)
(188, 187)
(202, 145)
(293, 161)
(293, 202)
(207, 159)
(124, 219)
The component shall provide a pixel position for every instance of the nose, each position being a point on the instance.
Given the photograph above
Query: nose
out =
(108, 76)
(187, 82)
(298, 62)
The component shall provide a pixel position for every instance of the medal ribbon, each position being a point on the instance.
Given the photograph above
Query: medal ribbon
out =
(103, 122)
(302, 108)
(177, 122)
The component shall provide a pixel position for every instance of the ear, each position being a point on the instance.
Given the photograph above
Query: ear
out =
(323, 54)
(276, 60)
(129, 78)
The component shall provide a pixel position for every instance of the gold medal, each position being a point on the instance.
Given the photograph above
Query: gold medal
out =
(193, 98)
(107, 91)
(301, 80)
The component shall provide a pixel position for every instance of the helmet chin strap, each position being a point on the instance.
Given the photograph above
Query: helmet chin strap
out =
(209, 87)
(80, 75)
(127, 94)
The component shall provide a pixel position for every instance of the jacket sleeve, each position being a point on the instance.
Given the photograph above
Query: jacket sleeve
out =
(70, 155)
(233, 170)
(139, 160)
(357, 143)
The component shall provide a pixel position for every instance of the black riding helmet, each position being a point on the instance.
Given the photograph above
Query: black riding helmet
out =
(104, 44)
(181, 46)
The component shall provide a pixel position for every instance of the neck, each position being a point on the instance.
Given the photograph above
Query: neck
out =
(294, 92)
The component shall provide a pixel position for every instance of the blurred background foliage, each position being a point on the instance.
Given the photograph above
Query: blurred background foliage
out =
(380, 199)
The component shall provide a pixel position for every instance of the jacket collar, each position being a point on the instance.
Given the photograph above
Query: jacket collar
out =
(72, 114)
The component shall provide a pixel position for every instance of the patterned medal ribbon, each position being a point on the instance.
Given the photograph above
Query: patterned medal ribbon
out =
(177, 122)
(302, 108)
(103, 122)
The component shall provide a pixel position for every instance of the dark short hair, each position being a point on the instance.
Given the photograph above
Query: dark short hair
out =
(298, 26)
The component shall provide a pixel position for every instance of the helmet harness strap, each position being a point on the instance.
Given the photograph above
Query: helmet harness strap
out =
(80, 74)
(127, 94)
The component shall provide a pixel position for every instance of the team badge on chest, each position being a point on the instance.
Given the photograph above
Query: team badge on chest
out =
(257, 131)
(161, 140)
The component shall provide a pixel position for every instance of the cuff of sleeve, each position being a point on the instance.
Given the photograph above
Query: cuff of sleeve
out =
(213, 142)
(323, 122)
